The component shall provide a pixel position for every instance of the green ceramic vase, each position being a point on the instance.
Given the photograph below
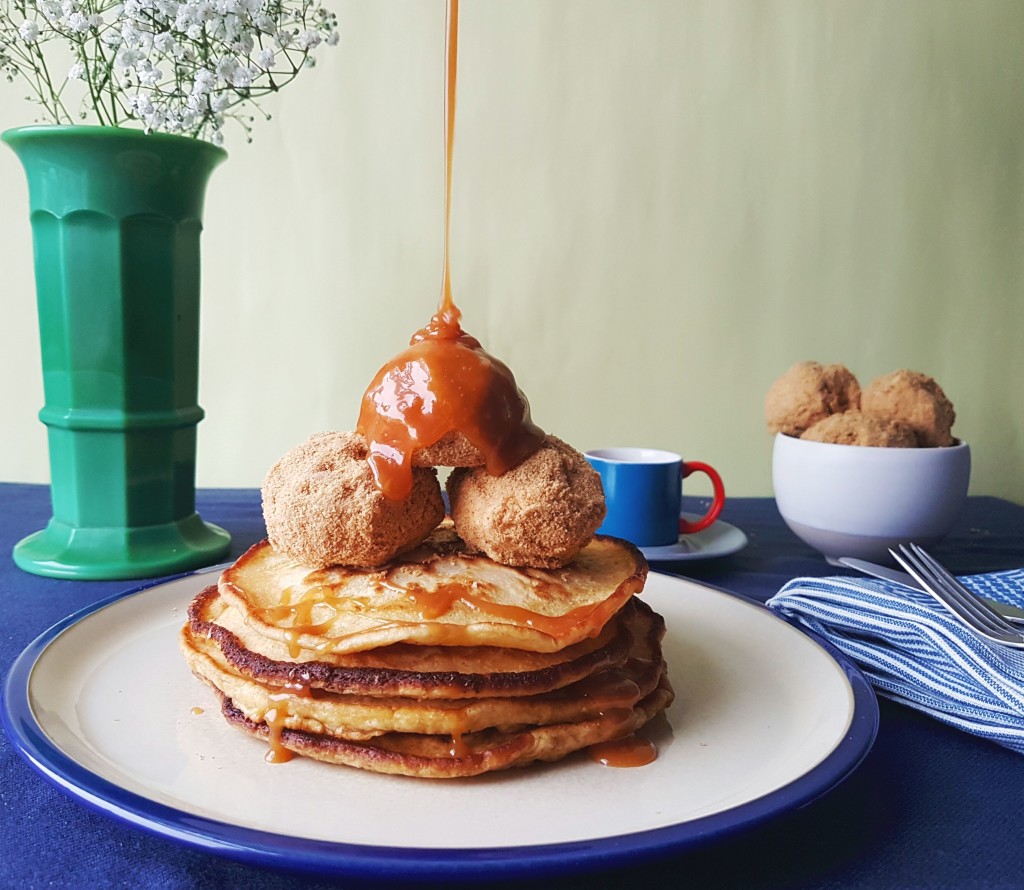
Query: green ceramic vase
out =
(116, 219)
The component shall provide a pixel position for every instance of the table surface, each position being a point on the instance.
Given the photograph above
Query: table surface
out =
(929, 807)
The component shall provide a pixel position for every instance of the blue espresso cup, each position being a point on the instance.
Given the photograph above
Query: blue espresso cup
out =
(643, 490)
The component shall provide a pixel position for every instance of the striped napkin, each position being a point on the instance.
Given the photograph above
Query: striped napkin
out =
(915, 652)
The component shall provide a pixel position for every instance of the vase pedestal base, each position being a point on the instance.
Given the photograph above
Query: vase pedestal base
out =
(91, 554)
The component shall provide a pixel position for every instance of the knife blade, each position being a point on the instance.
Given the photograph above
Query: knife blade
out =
(887, 574)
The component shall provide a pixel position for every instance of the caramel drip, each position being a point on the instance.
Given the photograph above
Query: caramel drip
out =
(433, 603)
(196, 711)
(275, 718)
(300, 689)
(444, 382)
(300, 617)
(425, 604)
(459, 748)
(629, 751)
(447, 310)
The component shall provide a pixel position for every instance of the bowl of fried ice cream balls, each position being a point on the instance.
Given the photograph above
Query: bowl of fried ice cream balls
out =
(859, 470)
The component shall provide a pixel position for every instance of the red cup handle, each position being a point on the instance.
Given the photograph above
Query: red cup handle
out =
(693, 466)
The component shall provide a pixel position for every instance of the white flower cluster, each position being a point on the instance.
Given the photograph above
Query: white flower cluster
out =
(180, 66)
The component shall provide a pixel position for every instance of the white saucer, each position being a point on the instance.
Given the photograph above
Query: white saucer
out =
(718, 539)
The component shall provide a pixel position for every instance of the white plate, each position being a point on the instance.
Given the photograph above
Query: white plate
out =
(765, 720)
(718, 539)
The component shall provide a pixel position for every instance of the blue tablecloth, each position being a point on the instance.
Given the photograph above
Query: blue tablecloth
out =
(929, 807)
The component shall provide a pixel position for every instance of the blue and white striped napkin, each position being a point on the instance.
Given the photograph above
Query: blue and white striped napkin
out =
(914, 652)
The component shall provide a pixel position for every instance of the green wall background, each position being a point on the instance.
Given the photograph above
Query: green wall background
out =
(658, 208)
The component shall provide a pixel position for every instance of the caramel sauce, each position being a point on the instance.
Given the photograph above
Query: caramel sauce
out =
(432, 603)
(429, 601)
(629, 751)
(301, 689)
(300, 616)
(196, 711)
(459, 748)
(275, 718)
(425, 604)
(444, 382)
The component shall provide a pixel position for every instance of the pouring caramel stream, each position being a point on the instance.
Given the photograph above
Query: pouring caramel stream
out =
(444, 382)
(447, 307)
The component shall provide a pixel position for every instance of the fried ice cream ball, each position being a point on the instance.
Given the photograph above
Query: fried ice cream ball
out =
(856, 428)
(809, 392)
(322, 505)
(541, 513)
(451, 450)
(913, 399)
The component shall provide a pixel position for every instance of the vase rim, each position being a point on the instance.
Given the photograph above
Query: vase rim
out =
(29, 131)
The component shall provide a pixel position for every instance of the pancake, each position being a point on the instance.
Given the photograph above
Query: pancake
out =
(405, 669)
(438, 594)
(441, 757)
(441, 663)
(361, 717)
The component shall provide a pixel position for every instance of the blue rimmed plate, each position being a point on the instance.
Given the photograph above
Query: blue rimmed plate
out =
(766, 719)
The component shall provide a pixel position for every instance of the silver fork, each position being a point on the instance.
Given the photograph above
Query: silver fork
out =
(977, 615)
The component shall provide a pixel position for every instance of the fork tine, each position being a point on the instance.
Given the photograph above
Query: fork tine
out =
(942, 582)
(988, 615)
(912, 564)
(955, 597)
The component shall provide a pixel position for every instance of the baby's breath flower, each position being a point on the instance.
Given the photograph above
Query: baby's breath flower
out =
(78, 22)
(165, 43)
(29, 31)
(148, 73)
(309, 39)
(182, 66)
(226, 68)
(204, 81)
(243, 76)
(128, 58)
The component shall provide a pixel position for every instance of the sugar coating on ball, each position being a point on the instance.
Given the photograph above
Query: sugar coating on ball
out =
(809, 392)
(857, 428)
(540, 513)
(322, 505)
(913, 399)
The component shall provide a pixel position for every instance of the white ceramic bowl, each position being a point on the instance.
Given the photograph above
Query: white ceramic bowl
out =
(852, 500)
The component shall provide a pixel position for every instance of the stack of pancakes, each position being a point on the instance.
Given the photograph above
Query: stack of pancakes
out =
(441, 663)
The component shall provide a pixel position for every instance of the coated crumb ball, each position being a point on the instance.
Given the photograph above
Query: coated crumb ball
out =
(913, 399)
(451, 450)
(540, 513)
(322, 505)
(809, 392)
(856, 428)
